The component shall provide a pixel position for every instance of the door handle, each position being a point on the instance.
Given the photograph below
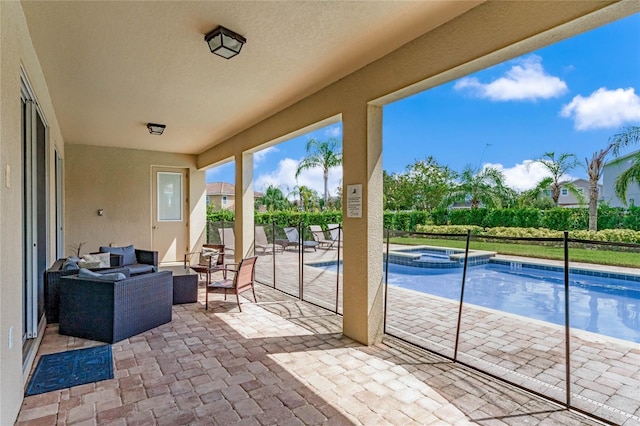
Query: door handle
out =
(155, 227)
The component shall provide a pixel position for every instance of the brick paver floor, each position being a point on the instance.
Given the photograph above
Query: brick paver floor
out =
(605, 372)
(280, 361)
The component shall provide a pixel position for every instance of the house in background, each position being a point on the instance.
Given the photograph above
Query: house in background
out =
(221, 195)
(610, 173)
(567, 199)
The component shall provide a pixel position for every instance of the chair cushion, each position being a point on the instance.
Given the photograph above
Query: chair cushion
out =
(141, 268)
(85, 273)
(103, 259)
(208, 256)
(70, 265)
(128, 253)
(222, 284)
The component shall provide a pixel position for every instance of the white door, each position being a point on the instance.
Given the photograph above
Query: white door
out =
(170, 235)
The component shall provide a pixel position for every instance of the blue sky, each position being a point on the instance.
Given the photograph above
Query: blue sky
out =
(570, 97)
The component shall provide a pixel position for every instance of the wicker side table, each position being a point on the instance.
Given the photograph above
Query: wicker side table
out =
(185, 284)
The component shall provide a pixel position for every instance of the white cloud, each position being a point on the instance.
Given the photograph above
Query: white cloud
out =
(284, 178)
(525, 81)
(603, 109)
(262, 154)
(334, 131)
(525, 175)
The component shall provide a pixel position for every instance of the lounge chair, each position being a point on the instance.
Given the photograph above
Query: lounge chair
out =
(227, 237)
(321, 239)
(294, 240)
(262, 243)
(336, 232)
(242, 281)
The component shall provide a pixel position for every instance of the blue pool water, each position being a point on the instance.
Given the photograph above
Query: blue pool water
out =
(603, 305)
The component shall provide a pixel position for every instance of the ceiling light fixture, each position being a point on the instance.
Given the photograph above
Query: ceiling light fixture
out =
(155, 129)
(224, 42)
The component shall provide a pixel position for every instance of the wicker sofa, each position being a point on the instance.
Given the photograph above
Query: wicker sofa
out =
(110, 311)
(146, 261)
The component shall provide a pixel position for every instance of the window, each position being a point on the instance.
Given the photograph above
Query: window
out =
(169, 196)
(581, 191)
(224, 200)
(564, 192)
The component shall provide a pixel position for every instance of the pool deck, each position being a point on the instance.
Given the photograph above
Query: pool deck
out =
(605, 371)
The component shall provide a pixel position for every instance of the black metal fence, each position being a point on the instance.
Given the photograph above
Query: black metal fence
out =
(542, 325)
(559, 327)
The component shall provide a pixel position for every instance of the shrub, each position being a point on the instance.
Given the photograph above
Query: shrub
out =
(450, 229)
(468, 216)
(405, 220)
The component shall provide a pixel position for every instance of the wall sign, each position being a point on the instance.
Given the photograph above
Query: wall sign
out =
(354, 200)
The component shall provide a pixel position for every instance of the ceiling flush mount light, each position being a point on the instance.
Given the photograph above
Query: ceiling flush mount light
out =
(224, 42)
(156, 129)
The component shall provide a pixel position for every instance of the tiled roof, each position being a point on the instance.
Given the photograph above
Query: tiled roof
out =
(225, 188)
(220, 188)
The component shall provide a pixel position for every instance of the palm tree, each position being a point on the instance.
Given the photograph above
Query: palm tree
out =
(536, 196)
(485, 187)
(321, 154)
(273, 199)
(628, 136)
(558, 168)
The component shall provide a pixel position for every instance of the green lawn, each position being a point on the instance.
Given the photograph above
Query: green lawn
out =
(601, 257)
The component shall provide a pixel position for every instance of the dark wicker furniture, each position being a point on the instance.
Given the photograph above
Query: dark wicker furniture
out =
(113, 311)
(146, 261)
(185, 284)
(52, 287)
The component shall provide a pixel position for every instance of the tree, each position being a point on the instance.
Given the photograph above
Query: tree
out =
(628, 136)
(321, 154)
(423, 186)
(306, 198)
(558, 168)
(273, 199)
(484, 187)
(537, 196)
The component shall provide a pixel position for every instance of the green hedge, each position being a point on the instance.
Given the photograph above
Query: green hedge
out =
(609, 235)
(558, 218)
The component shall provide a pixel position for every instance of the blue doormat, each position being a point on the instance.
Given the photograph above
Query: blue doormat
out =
(71, 368)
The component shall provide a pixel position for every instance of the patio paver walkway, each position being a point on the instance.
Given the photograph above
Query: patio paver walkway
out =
(283, 362)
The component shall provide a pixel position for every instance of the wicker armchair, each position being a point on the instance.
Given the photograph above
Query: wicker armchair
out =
(110, 311)
(52, 287)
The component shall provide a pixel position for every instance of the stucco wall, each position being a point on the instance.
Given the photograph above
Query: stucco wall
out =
(119, 181)
(610, 174)
(486, 35)
(16, 50)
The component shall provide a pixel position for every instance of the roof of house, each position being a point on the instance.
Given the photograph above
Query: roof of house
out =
(617, 160)
(225, 188)
(220, 188)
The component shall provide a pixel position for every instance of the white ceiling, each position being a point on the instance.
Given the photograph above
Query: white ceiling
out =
(113, 66)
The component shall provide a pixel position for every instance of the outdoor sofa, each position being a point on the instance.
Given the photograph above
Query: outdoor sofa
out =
(145, 261)
(113, 310)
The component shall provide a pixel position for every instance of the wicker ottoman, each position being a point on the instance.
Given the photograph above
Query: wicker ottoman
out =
(185, 284)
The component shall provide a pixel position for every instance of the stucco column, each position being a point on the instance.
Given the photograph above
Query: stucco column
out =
(362, 164)
(244, 206)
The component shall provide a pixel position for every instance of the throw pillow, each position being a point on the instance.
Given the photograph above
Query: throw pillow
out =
(104, 259)
(208, 256)
(70, 265)
(85, 273)
(128, 253)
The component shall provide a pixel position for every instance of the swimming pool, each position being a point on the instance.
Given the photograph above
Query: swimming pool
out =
(606, 305)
